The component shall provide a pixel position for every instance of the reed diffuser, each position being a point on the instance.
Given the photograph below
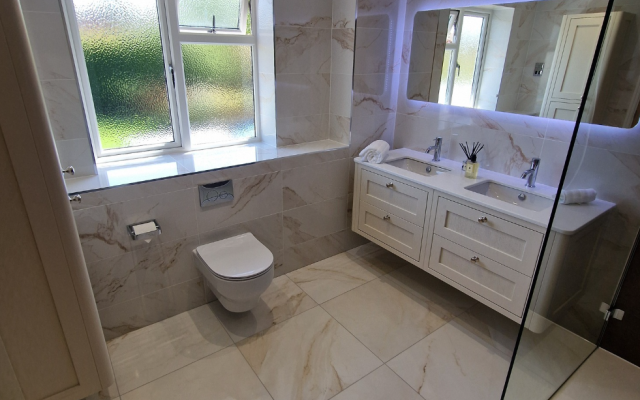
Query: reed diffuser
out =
(471, 165)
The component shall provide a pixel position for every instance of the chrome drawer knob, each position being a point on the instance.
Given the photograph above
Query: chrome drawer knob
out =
(474, 259)
(390, 185)
(386, 217)
(75, 198)
(482, 219)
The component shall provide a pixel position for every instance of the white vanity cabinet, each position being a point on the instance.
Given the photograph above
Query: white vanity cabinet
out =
(485, 254)
(391, 212)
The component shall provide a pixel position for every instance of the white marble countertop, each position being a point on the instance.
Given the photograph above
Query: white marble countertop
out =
(568, 220)
(135, 171)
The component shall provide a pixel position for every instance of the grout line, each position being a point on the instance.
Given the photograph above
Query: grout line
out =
(254, 372)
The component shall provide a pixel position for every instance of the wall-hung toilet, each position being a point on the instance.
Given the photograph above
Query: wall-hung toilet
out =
(238, 270)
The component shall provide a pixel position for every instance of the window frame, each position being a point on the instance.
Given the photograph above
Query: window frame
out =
(172, 38)
(486, 16)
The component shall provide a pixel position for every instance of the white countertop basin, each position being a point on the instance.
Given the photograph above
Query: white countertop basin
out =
(492, 190)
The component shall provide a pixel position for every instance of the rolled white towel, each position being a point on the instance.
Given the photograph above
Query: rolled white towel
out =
(376, 152)
(577, 196)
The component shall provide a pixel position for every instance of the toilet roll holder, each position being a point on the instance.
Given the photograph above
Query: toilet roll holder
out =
(145, 235)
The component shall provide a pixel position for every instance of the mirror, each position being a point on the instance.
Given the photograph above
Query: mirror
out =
(531, 58)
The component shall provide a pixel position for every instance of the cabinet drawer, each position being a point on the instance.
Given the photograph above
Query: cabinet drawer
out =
(390, 230)
(508, 243)
(485, 277)
(397, 198)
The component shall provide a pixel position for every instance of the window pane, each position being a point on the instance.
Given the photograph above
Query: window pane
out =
(219, 92)
(463, 95)
(444, 80)
(123, 52)
(199, 13)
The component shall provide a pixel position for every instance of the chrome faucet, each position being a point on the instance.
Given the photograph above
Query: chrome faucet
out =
(532, 173)
(437, 149)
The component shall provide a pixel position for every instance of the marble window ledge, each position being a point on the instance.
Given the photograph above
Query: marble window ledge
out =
(148, 169)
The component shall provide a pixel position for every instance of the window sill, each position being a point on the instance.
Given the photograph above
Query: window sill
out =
(131, 172)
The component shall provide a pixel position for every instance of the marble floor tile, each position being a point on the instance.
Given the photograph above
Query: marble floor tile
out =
(154, 351)
(310, 356)
(388, 316)
(336, 275)
(602, 376)
(220, 376)
(381, 384)
(462, 360)
(281, 301)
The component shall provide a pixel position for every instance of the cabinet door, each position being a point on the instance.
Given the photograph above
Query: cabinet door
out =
(393, 196)
(390, 230)
(576, 48)
(506, 242)
(483, 276)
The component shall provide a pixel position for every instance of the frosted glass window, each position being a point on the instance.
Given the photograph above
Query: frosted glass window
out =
(200, 13)
(125, 65)
(468, 52)
(219, 81)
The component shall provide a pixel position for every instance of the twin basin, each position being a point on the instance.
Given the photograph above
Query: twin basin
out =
(490, 189)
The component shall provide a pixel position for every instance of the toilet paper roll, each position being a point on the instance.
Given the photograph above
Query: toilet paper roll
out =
(144, 228)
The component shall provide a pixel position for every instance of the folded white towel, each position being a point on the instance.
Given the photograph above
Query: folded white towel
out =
(376, 152)
(577, 196)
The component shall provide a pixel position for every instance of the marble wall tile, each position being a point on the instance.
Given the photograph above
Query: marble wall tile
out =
(341, 95)
(314, 159)
(171, 210)
(418, 133)
(40, 5)
(313, 184)
(102, 232)
(122, 318)
(66, 115)
(165, 265)
(268, 230)
(554, 155)
(342, 42)
(303, 129)
(302, 51)
(340, 129)
(173, 300)
(295, 368)
(314, 221)
(302, 94)
(303, 13)
(243, 171)
(114, 280)
(254, 197)
(78, 153)
(371, 51)
(49, 45)
(344, 14)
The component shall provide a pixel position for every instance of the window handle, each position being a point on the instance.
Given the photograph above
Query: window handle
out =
(458, 68)
(213, 24)
(173, 75)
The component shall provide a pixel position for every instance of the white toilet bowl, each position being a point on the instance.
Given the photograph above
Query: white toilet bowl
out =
(238, 270)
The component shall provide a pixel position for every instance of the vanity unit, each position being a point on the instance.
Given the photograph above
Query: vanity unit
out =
(482, 236)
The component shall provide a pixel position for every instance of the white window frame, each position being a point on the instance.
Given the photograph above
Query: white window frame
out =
(456, 46)
(172, 38)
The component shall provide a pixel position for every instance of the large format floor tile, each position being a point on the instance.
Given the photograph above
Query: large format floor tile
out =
(336, 275)
(392, 313)
(310, 356)
(381, 384)
(156, 350)
(221, 376)
(281, 301)
(467, 359)
(602, 376)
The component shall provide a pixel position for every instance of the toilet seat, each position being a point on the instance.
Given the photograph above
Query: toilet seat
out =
(238, 258)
